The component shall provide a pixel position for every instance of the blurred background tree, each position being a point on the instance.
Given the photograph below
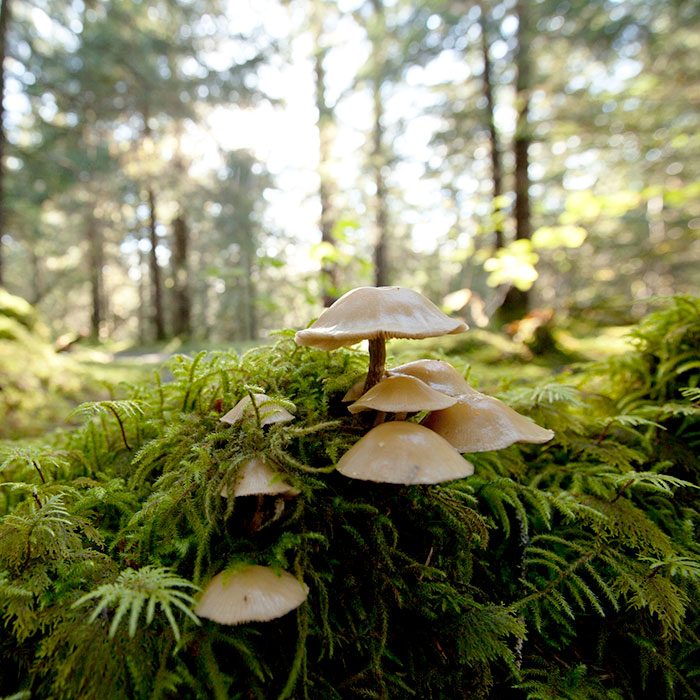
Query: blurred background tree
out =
(208, 169)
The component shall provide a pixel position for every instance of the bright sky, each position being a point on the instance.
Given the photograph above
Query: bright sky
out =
(285, 138)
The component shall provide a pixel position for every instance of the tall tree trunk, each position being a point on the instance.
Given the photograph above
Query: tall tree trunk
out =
(517, 301)
(4, 23)
(156, 287)
(378, 156)
(182, 319)
(326, 124)
(496, 167)
(95, 257)
(143, 300)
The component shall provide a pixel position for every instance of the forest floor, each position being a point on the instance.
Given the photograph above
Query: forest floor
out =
(487, 355)
(43, 388)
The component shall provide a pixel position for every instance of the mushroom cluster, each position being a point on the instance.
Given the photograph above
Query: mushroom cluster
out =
(458, 419)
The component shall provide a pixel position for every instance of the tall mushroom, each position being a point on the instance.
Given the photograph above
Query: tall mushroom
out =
(376, 314)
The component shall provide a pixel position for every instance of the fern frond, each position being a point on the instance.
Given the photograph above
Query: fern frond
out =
(149, 586)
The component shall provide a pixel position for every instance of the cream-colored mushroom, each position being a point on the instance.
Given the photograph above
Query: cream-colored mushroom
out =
(401, 394)
(375, 314)
(258, 478)
(479, 423)
(251, 594)
(356, 390)
(403, 453)
(438, 374)
(268, 409)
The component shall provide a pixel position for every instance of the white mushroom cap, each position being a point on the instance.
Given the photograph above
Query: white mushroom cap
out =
(252, 594)
(481, 423)
(258, 478)
(403, 453)
(367, 313)
(401, 394)
(269, 410)
(438, 374)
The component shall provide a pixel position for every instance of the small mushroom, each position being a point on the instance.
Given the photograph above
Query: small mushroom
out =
(252, 594)
(480, 423)
(258, 478)
(356, 390)
(438, 374)
(403, 453)
(401, 394)
(268, 409)
(375, 314)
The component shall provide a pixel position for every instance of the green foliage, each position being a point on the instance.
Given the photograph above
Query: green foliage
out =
(568, 569)
(149, 586)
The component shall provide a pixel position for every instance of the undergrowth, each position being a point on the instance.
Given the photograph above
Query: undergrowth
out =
(568, 570)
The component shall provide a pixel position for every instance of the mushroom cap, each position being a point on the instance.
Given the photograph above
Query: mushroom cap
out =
(269, 410)
(403, 453)
(401, 394)
(481, 423)
(438, 374)
(356, 390)
(366, 313)
(258, 478)
(252, 594)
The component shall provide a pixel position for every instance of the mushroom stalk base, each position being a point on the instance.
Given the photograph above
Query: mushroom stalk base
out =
(377, 360)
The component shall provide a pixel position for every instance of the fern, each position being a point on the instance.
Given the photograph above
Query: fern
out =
(149, 586)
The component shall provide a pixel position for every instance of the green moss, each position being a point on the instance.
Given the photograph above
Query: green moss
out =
(568, 565)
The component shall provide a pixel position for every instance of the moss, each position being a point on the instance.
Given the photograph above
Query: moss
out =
(570, 563)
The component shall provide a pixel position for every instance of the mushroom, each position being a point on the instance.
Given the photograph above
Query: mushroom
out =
(251, 594)
(401, 394)
(438, 374)
(257, 478)
(403, 453)
(269, 410)
(356, 390)
(479, 423)
(375, 314)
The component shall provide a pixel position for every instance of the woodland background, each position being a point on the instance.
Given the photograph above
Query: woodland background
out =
(215, 170)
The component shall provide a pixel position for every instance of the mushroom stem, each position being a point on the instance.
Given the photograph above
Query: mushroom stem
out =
(377, 359)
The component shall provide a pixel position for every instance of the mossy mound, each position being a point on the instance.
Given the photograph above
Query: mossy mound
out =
(38, 388)
(563, 570)
(21, 311)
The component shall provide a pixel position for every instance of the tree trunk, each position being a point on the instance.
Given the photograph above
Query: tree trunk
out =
(4, 23)
(156, 290)
(326, 123)
(95, 259)
(496, 168)
(517, 301)
(182, 319)
(143, 300)
(378, 156)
